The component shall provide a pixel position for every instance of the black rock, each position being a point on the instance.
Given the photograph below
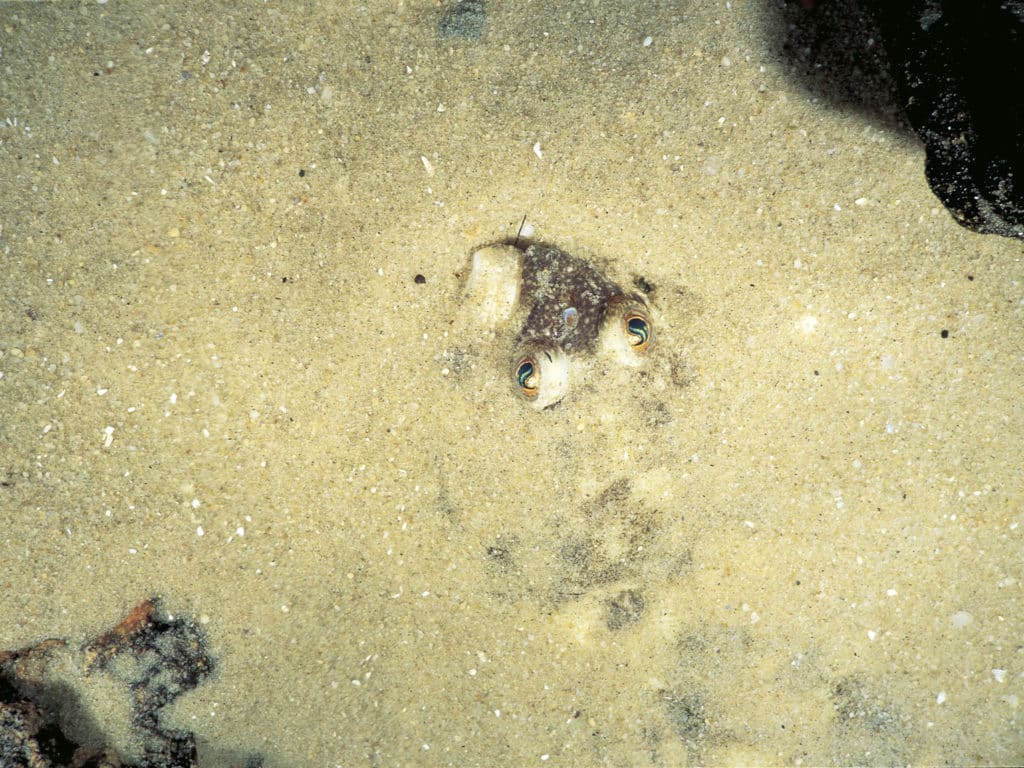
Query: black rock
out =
(959, 67)
(952, 69)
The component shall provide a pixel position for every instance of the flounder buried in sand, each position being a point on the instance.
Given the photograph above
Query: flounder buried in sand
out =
(568, 312)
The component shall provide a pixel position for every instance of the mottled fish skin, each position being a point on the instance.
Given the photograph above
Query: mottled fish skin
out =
(567, 299)
(571, 311)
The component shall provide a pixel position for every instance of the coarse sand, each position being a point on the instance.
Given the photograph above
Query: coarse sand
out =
(234, 242)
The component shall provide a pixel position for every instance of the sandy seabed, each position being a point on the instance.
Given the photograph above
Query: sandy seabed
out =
(792, 537)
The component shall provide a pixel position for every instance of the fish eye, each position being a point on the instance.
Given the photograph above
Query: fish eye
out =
(541, 373)
(638, 330)
(627, 329)
(527, 373)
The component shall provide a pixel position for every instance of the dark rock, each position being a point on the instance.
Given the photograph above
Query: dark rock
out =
(959, 67)
(20, 722)
(833, 50)
(953, 69)
(157, 658)
(30, 736)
